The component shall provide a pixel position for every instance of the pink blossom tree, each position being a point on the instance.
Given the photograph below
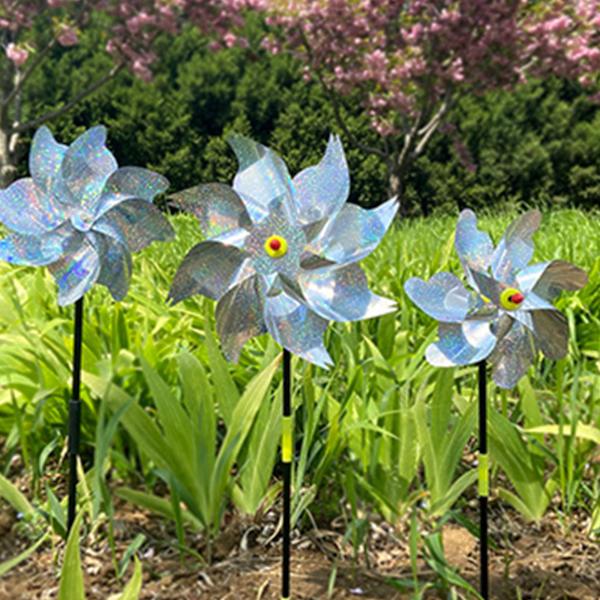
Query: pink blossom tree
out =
(409, 61)
(30, 30)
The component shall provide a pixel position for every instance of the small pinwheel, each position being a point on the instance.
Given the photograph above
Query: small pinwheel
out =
(81, 215)
(508, 314)
(281, 254)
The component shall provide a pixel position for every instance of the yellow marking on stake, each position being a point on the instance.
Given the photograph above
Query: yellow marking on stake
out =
(484, 480)
(286, 439)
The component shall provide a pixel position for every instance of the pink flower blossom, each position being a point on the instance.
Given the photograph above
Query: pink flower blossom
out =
(17, 54)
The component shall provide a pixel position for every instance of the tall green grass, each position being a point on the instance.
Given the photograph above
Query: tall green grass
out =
(382, 431)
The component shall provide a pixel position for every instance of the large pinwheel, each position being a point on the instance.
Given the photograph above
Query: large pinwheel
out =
(80, 214)
(281, 254)
(507, 314)
(281, 258)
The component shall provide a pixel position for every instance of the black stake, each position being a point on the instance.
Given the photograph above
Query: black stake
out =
(483, 483)
(75, 413)
(286, 459)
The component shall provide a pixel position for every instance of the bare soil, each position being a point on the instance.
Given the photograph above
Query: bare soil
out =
(549, 560)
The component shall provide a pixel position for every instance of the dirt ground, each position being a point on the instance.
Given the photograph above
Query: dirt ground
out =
(545, 561)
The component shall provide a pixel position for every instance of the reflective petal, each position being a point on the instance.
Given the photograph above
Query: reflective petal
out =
(485, 285)
(87, 166)
(26, 209)
(443, 297)
(355, 232)
(474, 247)
(45, 158)
(240, 316)
(135, 223)
(130, 183)
(551, 330)
(295, 327)
(322, 190)
(461, 344)
(34, 250)
(513, 355)
(216, 206)
(77, 270)
(548, 279)
(115, 265)
(515, 249)
(342, 294)
(210, 269)
(262, 177)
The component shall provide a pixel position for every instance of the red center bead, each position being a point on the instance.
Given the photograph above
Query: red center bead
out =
(517, 298)
(275, 245)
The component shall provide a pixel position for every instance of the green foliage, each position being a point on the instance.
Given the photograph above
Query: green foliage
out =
(537, 145)
(191, 436)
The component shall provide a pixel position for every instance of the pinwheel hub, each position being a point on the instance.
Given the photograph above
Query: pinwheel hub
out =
(276, 246)
(511, 299)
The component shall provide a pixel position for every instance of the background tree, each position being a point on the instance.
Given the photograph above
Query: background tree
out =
(32, 32)
(410, 62)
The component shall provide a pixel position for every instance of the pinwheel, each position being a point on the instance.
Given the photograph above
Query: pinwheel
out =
(505, 316)
(280, 257)
(81, 216)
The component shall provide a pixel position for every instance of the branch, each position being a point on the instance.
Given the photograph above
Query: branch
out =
(27, 74)
(18, 128)
(337, 109)
(39, 57)
(432, 126)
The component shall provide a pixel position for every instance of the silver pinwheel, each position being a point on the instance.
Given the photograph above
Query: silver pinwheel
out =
(81, 215)
(281, 253)
(507, 315)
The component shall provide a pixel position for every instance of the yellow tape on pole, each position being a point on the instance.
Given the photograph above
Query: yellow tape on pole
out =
(286, 439)
(484, 479)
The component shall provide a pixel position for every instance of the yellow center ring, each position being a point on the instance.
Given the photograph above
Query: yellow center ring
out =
(276, 246)
(511, 299)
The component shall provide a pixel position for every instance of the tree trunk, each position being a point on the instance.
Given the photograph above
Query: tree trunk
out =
(8, 158)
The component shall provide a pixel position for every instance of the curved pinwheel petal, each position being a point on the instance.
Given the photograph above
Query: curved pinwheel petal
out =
(239, 316)
(34, 250)
(443, 297)
(216, 206)
(115, 265)
(210, 269)
(295, 327)
(45, 159)
(342, 294)
(551, 330)
(355, 232)
(262, 178)
(515, 249)
(129, 183)
(474, 247)
(548, 279)
(135, 223)
(513, 355)
(322, 190)
(77, 269)
(461, 344)
(86, 167)
(26, 209)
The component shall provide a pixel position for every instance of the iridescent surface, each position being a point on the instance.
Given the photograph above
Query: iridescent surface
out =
(294, 294)
(475, 324)
(81, 215)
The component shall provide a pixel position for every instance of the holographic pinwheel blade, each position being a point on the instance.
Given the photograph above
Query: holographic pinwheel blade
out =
(515, 249)
(322, 190)
(217, 207)
(443, 297)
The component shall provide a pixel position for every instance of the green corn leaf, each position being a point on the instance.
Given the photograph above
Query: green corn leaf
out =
(71, 575)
